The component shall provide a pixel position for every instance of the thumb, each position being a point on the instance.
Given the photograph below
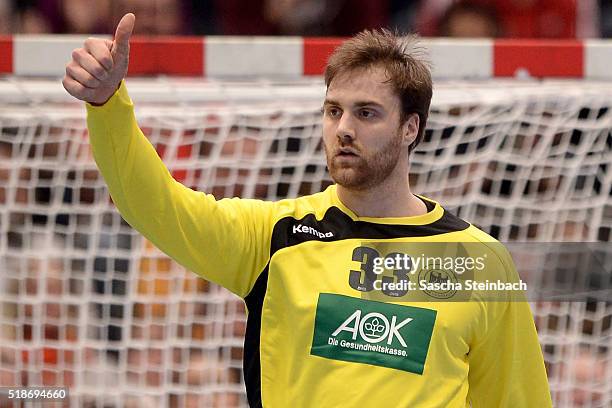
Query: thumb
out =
(121, 43)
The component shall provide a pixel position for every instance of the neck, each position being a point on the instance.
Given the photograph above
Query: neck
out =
(392, 198)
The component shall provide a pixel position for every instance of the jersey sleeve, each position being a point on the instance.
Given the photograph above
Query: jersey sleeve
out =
(506, 363)
(225, 241)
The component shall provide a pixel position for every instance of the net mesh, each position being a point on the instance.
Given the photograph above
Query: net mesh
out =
(87, 303)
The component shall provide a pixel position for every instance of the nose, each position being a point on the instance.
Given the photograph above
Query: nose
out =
(345, 132)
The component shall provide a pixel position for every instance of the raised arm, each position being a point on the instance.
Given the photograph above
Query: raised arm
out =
(224, 241)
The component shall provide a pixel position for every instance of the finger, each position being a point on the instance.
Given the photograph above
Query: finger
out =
(77, 89)
(90, 64)
(121, 43)
(100, 50)
(83, 77)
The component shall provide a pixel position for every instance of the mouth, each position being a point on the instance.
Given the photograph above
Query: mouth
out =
(347, 152)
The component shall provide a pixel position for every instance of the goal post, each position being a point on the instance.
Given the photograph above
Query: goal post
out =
(88, 303)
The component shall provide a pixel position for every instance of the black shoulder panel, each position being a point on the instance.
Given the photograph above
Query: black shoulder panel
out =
(250, 356)
(336, 226)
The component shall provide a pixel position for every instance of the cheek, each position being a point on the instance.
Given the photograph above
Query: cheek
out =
(373, 136)
(329, 131)
(377, 141)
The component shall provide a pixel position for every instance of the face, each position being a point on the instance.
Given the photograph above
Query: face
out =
(364, 141)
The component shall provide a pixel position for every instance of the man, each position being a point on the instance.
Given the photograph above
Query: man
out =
(321, 330)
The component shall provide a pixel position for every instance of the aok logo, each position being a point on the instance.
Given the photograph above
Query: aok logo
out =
(373, 327)
(371, 332)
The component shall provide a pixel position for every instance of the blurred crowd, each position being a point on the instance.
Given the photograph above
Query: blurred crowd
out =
(455, 18)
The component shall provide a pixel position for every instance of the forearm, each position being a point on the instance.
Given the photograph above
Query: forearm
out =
(131, 168)
(142, 189)
(212, 238)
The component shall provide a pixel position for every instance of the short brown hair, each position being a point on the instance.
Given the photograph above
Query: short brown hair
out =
(408, 73)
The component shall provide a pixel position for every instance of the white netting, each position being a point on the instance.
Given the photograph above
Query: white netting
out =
(87, 303)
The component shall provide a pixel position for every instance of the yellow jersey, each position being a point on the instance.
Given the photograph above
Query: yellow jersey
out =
(322, 329)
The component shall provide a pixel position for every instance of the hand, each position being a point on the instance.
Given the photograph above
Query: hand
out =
(96, 70)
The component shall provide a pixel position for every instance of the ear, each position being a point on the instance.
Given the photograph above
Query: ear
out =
(410, 129)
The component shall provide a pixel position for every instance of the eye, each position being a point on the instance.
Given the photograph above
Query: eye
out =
(366, 113)
(333, 112)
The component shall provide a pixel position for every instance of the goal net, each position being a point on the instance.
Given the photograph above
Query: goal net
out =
(88, 303)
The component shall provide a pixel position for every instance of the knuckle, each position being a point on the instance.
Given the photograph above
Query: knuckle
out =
(70, 88)
(107, 61)
(87, 82)
(91, 82)
(99, 72)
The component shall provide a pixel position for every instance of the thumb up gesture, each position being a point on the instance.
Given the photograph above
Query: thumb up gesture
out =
(95, 71)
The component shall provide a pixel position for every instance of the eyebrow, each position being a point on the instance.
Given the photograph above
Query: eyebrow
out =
(358, 104)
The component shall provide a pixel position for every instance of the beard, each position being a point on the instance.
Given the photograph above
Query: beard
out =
(366, 170)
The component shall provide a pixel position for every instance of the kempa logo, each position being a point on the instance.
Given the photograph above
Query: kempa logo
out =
(373, 327)
(309, 230)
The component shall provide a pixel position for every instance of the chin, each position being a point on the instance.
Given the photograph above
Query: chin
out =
(351, 179)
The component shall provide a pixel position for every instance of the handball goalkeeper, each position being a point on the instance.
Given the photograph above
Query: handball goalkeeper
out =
(322, 331)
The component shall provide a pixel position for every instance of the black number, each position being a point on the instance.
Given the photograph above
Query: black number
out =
(363, 280)
(402, 279)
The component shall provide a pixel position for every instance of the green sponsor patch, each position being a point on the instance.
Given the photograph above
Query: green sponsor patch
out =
(365, 331)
